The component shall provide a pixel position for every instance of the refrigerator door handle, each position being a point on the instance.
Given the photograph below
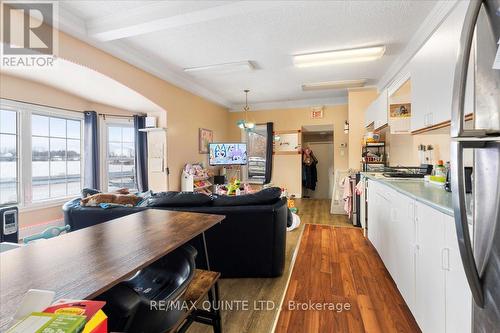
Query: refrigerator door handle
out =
(460, 77)
(461, 222)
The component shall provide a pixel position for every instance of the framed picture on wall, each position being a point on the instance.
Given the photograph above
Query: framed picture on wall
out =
(205, 136)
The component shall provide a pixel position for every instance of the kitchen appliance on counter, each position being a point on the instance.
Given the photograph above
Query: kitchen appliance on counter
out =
(478, 62)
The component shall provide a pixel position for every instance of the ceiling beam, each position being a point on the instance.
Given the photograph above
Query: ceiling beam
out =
(162, 16)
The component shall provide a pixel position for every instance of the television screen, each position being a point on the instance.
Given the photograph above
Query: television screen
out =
(228, 153)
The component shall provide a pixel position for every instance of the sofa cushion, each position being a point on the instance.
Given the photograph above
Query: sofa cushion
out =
(266, 196)
(178, 199)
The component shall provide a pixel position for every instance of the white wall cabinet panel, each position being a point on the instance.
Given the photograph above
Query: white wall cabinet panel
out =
(432, 70)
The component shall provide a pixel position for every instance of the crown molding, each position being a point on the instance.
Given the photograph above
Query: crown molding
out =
(76, 27)
(291, 104)
(430, 24)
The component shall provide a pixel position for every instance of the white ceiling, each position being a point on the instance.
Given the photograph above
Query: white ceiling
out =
(163, 37)
(87, 84)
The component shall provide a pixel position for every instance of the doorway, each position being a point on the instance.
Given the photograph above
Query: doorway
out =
(319, 139)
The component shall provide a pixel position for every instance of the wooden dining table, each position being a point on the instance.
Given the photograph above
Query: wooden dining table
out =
(85, 263)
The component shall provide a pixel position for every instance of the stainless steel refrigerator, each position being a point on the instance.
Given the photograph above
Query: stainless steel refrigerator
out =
(478, 63)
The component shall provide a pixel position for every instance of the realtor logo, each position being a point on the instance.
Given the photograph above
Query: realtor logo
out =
(28, 33)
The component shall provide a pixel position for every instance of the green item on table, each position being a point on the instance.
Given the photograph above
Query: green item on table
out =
(294, 210)
(439, 179)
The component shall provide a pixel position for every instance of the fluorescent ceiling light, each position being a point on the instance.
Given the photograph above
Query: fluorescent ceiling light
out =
(226, 67)
(334, 85)
(339, 57)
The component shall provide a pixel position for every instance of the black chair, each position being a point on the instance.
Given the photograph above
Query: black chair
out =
(149, 301)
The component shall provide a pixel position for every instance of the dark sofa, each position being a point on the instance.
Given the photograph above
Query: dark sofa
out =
(250, 242)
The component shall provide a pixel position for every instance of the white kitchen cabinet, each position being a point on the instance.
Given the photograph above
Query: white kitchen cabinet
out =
(418, 245)
(369, 115)
(402, 219)
(381, 109)
(458, 304)
(377, 112)
(432, 70)
(430, 279)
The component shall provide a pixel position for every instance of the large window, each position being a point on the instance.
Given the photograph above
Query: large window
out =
(8, 157)
(120, 156)
(56, 157)
(40, 154)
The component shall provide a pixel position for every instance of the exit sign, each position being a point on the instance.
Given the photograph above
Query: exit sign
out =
(317, 113)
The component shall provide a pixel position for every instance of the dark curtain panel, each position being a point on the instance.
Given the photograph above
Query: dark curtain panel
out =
(141, 154)
(269, 152)
(91, 167)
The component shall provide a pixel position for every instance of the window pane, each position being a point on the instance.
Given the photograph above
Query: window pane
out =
(73, 129)
(74, 185)
(121, 151)
(114, 134)
(115, 150)
(40, 188)
(128, 134)
(57, 188)
(8, 182)
(56, 158)
(40, 180)
(40, 149)
(57, 169)
(8, 121)
(58, 127)
(73, 152)
(57, 149)
(74, 169)
(128, 150)
(40, 170)
(39, 125)
(8, 147)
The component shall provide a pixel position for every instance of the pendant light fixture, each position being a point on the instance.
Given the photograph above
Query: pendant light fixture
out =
(244, 123)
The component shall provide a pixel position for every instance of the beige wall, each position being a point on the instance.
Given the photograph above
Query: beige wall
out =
(287, 168)
(358, 102)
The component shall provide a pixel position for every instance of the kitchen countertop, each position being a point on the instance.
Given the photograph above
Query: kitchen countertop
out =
(426, 193)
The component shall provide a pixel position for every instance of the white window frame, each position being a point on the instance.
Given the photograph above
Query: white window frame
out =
(18, 152)
(104, 122)
(24, 167)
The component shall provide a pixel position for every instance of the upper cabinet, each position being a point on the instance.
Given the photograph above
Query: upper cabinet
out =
(432, 71)
(376, 113)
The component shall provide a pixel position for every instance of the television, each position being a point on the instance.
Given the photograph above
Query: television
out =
(227, 153)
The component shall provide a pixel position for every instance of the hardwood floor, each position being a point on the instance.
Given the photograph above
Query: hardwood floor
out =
(317, 211)
(339, 266)
(333, 264)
